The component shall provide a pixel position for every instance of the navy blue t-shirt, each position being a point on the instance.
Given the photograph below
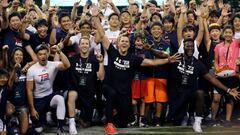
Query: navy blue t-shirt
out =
(18, 92)
(172, 36)
(12, 39)
(143, 72)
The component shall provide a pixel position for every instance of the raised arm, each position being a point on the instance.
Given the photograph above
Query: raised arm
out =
(5, 22)
(13, 75)
(200, 25)
(25, 22)
(101, 71)
(207, 40)
(181, 22)
(39, 11)
(114, 8)
(53, 36)
(4, 62)
(74, 10)
(100, 35)
(65, 64)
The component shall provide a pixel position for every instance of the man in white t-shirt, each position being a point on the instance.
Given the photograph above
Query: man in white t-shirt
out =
(41, 98)
(85, 30)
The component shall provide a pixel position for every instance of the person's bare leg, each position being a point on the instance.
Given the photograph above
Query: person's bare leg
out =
(23, 122)
(215, 105)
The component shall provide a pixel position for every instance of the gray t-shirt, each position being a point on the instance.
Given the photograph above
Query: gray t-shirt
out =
(43, 77)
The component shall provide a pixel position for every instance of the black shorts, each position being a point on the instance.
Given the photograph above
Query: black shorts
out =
(230, 82)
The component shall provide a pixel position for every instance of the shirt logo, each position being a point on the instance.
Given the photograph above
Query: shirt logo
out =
(121, 64)
(44, 77)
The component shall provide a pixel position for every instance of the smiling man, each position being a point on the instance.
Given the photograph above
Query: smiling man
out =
(184, 84)
(41, 98)
(122, 66)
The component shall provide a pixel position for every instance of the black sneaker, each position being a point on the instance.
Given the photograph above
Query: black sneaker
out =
(227, 123)
(142, 122)
(156, 122)
(212, 123)
(134, 122)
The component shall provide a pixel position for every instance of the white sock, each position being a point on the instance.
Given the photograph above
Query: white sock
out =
(71, 121)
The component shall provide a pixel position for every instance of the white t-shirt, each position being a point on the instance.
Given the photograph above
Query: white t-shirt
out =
(196, 52)
(237, 35)
(112, 36)
(43, 77)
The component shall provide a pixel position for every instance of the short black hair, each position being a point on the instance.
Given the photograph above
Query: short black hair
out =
(188, 27)
(62, 15)
(41, 22)
(125, 11)
(228, 27)
(156, 24)
(157, 14)
(214, 13)
(85, 23)
(168, 18)
(40, 47)
(188, 40)
(112, 14)
(13, 14)
(4, 72)
(154, 2)
(192, 12)
(235, 16)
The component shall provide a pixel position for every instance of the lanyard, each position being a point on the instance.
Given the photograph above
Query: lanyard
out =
(226, 57)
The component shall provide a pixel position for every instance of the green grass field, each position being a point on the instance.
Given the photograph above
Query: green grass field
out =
(168, 130)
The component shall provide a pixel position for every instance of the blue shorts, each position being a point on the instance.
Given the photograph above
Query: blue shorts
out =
(42, 106)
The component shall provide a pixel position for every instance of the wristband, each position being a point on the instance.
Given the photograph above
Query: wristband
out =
(228, 90)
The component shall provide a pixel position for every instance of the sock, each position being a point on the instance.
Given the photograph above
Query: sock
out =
(60, 124)
(71, 120)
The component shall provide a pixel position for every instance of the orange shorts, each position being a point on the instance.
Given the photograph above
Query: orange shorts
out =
(157, 90)
(139, 88)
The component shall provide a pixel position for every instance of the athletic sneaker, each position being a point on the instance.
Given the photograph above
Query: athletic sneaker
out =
(142, 122)
(212, 123)
(134, 122)
(60, 131)
(72, 129)
(110, 129)
(197, 125)
(156, 122)
(226, 123)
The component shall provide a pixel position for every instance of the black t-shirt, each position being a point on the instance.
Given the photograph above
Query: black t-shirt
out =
(122, 69)
(67, 50)
(185, 74)
(35, 40)
(84, 74)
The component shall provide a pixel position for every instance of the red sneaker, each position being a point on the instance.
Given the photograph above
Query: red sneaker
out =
(110, 129)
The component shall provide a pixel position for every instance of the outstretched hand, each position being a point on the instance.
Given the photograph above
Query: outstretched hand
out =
(235, 93)
(175, 58)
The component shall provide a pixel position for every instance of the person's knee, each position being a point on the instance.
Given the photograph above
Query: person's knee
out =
(72, 96)
(216, 100)
(58, 100)
(200, 94)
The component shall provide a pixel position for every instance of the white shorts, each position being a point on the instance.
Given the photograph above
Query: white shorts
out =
(2, 126)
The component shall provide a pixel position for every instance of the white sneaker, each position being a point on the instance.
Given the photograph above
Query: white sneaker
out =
(197, 125)
(72, 129)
